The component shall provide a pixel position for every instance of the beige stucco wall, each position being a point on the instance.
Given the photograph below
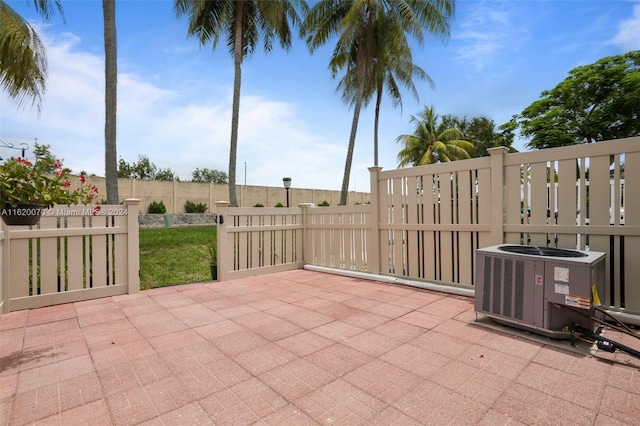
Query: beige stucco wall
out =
(174, 195)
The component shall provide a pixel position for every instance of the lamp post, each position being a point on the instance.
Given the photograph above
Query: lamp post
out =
(287, 184)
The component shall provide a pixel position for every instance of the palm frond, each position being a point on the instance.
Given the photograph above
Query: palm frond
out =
(23, 62)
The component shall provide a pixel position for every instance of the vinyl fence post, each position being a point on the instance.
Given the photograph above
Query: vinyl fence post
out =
(373, 239)
(497, 194)
(225, 246)
(133, 245)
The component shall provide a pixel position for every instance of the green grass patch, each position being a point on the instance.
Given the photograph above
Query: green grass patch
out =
(174, 256)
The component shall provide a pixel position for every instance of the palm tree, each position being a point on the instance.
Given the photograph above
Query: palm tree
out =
(354, 24)
(482, 132)
(432, 142)
(23, 59)
(110, 97)
(243, 22)
(392, 65)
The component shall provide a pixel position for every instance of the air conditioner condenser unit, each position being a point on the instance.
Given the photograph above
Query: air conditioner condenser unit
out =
(541, 289)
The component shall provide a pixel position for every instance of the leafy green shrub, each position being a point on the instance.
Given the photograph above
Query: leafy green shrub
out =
(157, 208)
(191, 207)
(259, 205)
(279, 205)
(325, 203)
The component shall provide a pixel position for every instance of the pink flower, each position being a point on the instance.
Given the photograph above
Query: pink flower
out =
(67, 184)
(83, 179)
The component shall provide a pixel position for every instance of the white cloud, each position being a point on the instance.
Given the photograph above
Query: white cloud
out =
(486, 32)
(628, 36)
(171, 126)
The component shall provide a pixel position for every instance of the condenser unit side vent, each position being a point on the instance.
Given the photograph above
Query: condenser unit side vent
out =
(507, 299)
(519, 312)
(506, 295)
(497, 285)
(486, 299)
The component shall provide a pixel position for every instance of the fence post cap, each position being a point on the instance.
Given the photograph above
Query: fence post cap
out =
(498, 150)
(132, 201)
(222, 203)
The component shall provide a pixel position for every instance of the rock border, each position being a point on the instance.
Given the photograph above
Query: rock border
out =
(170, 220)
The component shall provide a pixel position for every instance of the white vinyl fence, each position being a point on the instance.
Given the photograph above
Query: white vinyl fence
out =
(75, 253)
(425, 223)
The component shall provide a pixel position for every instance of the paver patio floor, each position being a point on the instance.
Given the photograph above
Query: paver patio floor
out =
(297, 348)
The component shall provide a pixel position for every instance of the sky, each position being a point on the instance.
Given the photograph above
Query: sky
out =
(175, 96)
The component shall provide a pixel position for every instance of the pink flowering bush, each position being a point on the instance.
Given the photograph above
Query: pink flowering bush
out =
(44, 182)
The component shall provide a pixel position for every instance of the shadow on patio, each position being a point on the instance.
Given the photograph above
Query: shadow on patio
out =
(294, 348)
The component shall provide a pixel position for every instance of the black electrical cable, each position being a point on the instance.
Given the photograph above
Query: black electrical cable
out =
(624, 327)
(604, 343)
(621, 327)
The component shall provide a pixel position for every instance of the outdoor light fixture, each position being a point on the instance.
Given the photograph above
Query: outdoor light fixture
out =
(287, 184)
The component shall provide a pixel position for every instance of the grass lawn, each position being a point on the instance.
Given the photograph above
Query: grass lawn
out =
(174, 256)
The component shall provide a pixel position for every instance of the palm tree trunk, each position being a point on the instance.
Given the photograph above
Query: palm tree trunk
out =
(363, 65)
(110, 97)
(376, 123)
(235, 115)
(344, 193)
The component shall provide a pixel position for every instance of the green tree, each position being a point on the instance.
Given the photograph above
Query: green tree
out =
(482, 133)
(209, 176)
(595, 103)
(144, 169)
(432, 141)
(23, 58)
(243, 22)
(354, 25)
(110, 96)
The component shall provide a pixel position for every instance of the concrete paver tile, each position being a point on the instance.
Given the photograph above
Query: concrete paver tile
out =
(338, 359)
(305, 343)
(297, 348)
(263, 358)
